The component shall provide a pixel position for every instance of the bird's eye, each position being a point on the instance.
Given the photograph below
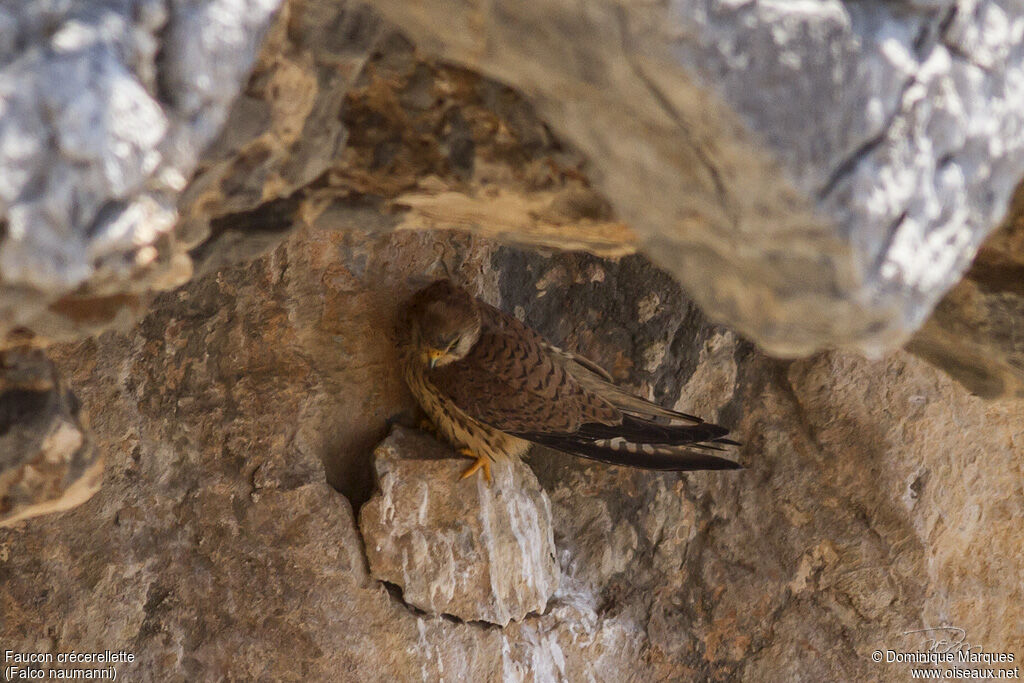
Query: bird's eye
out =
(452, 343)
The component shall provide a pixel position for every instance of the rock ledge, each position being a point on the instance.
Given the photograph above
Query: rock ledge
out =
(474, 551)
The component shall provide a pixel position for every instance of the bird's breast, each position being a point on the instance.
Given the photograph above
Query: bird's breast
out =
(458, 427)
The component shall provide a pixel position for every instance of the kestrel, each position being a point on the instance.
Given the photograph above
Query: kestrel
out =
(493, 386)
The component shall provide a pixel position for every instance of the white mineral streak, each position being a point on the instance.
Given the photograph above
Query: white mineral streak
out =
(461, 547)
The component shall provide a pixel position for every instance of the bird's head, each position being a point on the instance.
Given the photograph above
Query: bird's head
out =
(442, 324)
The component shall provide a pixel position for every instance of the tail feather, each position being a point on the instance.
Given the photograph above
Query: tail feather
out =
(708, 446)
(618, 451)
(649, 436)
(647, 431)
(644, 443)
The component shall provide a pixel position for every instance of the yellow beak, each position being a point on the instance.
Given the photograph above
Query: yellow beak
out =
(434, 355)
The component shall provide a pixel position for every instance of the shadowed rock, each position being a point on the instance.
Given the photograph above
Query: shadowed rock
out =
(47, 459)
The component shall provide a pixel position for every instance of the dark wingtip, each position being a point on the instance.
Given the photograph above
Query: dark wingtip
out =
(682, 460)
(647, 431)
(720, 464)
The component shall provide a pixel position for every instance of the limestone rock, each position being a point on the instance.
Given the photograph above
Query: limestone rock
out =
(475, 551)
(974, 333)
(47, 460)
(284, 132)
(342, 111)
(814, 174)
(238, 418)
(107, 106)
(877, 496)
(216, 545)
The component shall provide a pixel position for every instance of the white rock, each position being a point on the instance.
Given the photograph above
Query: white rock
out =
(473, 550)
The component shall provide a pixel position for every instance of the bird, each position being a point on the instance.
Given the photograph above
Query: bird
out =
(493, 387)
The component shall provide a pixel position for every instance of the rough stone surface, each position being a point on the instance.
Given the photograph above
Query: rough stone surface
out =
(47, 460)
(216, 544)
(888, 182)
(474, 551)
(814, 174)
(324, 127)
(283, 133)
(877, 496)
(107, 105)
(238, 418)
(975, 332)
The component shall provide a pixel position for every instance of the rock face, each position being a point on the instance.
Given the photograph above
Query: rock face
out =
(878, 497)
(974, 333)
(237, 419)
(474, 551)
(284, 132)
(47, 460)
(815, 174)
(107, 106)
(216, 543)
(788, 210)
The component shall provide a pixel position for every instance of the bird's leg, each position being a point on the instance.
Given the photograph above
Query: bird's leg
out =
(482, 462)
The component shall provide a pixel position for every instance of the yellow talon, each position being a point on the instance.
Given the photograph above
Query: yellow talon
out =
(482, 462)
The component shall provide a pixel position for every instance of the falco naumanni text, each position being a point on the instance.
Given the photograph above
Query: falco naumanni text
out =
(493, 386)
